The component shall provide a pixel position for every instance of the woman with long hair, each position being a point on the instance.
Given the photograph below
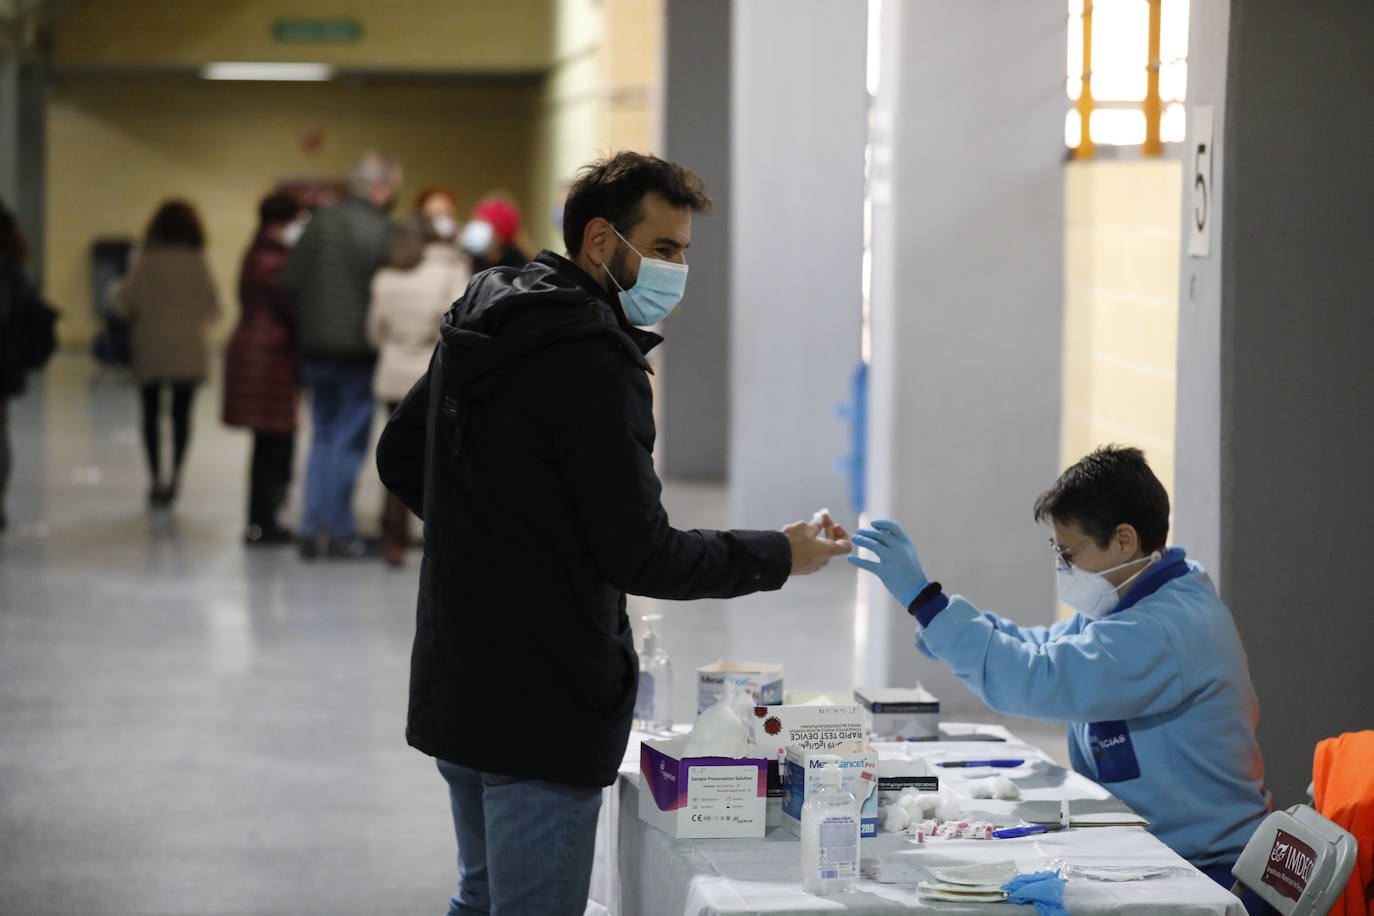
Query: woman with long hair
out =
(170, 301)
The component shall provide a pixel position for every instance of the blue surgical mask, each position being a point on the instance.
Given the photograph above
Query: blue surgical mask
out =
(657, 289)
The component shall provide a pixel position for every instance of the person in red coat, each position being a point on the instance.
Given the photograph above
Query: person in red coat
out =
(262, 369)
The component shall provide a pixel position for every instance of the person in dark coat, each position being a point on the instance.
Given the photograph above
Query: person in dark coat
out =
(329, 277)
(527, 450)
(262, 369)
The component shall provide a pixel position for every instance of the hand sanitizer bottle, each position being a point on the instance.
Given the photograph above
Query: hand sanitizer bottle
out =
(829, 835)
(654, 702)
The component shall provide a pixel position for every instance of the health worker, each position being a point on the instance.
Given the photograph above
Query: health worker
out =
(1149, 674)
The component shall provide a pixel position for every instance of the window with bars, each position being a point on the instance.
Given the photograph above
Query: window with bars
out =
(1127, 74)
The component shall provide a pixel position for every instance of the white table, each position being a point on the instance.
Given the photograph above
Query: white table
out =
(641, 871)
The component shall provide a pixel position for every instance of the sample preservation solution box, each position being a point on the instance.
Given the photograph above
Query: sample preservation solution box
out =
(761, 680)
(901, 713)
(860, 771)
(701, 797)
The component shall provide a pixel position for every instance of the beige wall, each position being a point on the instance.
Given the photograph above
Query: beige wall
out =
(1121, 308)
(600, 95)
(120, 144)
(450, 35)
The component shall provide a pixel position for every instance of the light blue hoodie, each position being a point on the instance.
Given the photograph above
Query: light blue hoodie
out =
(1156, 694)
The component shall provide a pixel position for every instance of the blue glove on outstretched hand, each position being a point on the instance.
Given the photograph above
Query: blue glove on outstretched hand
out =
(897, 566)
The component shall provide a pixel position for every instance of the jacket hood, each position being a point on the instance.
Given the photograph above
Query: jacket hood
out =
(508, 314)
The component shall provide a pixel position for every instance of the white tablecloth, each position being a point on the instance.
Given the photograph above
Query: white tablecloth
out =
(641, 871)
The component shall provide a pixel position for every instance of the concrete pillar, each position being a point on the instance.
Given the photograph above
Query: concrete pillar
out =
(23, 89)
(799, 125)
(1287, 287)
(694, 398)
(967, 191)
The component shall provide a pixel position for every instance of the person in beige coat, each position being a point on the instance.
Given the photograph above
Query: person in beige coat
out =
(425, 272)
(170, 301)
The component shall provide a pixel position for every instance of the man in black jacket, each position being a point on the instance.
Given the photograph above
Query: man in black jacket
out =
(527, 449)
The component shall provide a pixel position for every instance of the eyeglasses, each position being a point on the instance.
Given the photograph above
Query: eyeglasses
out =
(1064, 555)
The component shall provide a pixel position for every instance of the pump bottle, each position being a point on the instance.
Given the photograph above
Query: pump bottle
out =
(654, 701)
(829, 835)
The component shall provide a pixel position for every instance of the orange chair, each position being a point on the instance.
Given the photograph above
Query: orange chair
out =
(1343, 791)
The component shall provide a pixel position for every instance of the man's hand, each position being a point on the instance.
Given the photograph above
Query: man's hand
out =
(897, 565)
(815, 542)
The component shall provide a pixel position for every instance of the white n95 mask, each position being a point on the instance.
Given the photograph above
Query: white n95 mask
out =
(657, 290)
(1089, 593)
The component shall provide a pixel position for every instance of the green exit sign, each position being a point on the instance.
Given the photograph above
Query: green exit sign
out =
(317, 31)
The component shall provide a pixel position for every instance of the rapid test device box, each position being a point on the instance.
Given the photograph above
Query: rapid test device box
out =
(701, 797)
(762, 681)
(860, 769)
(809, 727)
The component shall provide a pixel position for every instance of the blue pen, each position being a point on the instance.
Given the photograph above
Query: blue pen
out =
(1011, 833)
(981, 763)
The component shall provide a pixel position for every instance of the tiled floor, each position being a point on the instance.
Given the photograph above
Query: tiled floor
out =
(191, 727)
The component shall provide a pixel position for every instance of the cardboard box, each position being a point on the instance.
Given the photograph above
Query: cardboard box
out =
(860, 778)
(901, 713)
(701, 797)
(762, 681)
(813, 727)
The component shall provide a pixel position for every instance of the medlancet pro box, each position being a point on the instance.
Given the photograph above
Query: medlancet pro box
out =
(860, 771)
(762, 681)
(701, 797)
(901, 713)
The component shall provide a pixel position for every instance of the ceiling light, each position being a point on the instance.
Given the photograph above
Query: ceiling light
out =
(267, 71)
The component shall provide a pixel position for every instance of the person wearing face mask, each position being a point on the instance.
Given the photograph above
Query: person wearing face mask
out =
(329, 276)
(262, 368)
(492, 237)
(527, 448)
(1149, 673)
(422, 277)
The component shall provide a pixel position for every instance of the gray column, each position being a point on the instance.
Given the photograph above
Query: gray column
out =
(1296, 443)
(799, 126)
(694, 402)
(967, 297)
(23, 150)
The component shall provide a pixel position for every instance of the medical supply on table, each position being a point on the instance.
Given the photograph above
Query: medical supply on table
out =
(723, 731)
(815, 726)
(762, 681)
(829, 835)
(698, 797)
(1086, 812)
(1044, 890)
(999, 787)
(898, 777)
(1012, 833)
(960, 893)
(858, 765)
(900, 713)
(654, 701)
(1064, 819)
(980, 763)
(998, 873)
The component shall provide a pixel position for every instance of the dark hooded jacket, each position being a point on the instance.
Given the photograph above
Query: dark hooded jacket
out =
(527, 448)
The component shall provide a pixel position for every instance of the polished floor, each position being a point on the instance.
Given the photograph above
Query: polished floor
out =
(189, 726)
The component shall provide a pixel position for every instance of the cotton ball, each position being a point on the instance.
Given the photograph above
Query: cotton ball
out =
(1004, 788)
(894, 818)
(948, 808)
(911, 804)
(930, 804)
(718, 732)
(982, 788)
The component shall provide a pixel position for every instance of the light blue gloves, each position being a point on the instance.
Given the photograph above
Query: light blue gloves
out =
(1043, 890)
(897, 565)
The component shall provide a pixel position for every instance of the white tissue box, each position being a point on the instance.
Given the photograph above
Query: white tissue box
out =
(860, 778)
(901, 713)
(762, 681)
(701, 797)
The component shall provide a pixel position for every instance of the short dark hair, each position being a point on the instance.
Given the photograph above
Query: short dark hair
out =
(1112, 486)
(175, 225)
(614, 188)
(278, 208)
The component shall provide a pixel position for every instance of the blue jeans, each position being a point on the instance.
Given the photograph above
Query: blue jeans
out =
(525, 846)
(341, 409)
